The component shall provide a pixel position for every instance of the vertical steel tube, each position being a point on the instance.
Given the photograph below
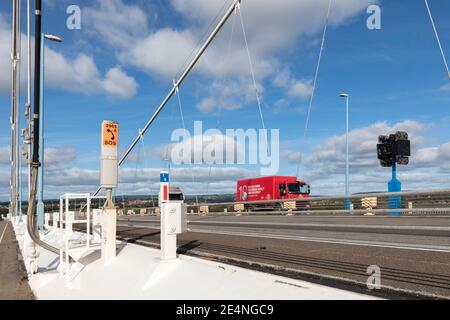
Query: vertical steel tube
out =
(37, 83)
(40, 208)
(15, 109)
(29, 90)
(347, 188)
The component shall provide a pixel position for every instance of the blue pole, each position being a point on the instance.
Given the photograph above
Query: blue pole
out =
(40, 185)
(347, 188)
(394, 202)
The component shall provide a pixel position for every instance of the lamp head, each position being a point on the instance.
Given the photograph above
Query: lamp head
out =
(52, 38)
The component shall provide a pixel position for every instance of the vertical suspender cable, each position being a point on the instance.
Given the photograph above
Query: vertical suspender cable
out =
(258, 99)
(437, 38)
(184, 127)
(233, 26)
(316, 74)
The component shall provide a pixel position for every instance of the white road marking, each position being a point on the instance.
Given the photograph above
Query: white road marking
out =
(380, 244)
(3, 233)
(299, 225)
(325, 225)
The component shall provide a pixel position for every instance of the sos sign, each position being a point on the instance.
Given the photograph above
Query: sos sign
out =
(110, 134)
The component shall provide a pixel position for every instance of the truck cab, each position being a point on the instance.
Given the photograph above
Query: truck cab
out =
(294, 190)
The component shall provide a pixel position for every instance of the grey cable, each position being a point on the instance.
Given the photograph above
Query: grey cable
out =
(319, 60)
(437, 38)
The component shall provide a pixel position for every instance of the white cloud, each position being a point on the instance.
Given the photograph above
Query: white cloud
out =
(270, 27)
(80, 74)
(5, 56)
(5, 155)
(292, 157)
(446, 87)
(162, 53)
(206, 147)
(329, 156)
(118, 84)
(143, 181)
(55, 158)
(301, 89)
(117, 23)
(229, 94)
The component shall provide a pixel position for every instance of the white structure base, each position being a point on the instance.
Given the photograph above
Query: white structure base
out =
(109, 239)
(138, 273)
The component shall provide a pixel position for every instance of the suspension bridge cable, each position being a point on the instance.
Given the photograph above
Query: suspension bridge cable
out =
(437, 38)
(177, 92)
(138, 158)
(146, 165)
(219, 116)
(167, 158)
(258, 99)
(311, 100)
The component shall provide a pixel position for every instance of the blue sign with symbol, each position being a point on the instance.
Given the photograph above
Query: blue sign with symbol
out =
(164, 177)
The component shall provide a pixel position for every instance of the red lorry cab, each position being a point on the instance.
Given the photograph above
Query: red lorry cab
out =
(271, 188)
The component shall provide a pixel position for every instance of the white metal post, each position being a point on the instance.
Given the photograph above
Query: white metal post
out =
(88, 226)
(67, 208)
(61, 206)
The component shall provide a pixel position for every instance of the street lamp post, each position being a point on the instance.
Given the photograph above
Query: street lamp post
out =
(40, 208)
(347, 189)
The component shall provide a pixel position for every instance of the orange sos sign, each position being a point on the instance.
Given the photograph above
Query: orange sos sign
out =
(110, 134)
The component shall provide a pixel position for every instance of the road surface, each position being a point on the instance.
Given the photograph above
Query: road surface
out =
(13, 276)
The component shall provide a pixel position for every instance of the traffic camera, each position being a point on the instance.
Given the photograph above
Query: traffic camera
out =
(395, 148)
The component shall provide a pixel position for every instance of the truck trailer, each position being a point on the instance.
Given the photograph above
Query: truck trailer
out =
(272, 188)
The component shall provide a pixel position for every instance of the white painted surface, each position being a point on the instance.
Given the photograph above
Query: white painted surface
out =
(138, 273)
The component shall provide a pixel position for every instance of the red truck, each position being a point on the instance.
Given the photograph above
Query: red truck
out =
(272, 188)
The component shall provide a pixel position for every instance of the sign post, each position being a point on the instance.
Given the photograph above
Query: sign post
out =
(109, 171)
(392, 150)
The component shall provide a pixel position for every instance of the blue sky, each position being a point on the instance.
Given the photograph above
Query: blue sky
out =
(121, 64)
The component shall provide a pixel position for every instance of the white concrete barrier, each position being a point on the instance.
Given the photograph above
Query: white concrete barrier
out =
(97, 224)
(55, 219)
(47, 220)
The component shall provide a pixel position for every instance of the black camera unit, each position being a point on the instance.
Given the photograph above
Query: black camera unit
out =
(395, 148)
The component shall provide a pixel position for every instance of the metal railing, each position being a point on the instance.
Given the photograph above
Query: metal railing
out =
(435, 202)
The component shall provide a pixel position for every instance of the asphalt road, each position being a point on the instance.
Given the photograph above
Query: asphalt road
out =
(397, 232)
(413, 253)
(13, 276)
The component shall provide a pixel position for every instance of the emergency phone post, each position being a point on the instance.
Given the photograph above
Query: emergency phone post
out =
(109, 179)
(173, 219)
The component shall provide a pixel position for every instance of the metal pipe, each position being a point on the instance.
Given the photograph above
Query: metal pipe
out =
(31, 227)
(17, 137)
(347, 188)
(37, 84)
(178, 83)
(28, 107)
(15, 108)
(40, 209)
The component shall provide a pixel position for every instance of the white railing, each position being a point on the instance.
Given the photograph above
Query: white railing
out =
(67, 218)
